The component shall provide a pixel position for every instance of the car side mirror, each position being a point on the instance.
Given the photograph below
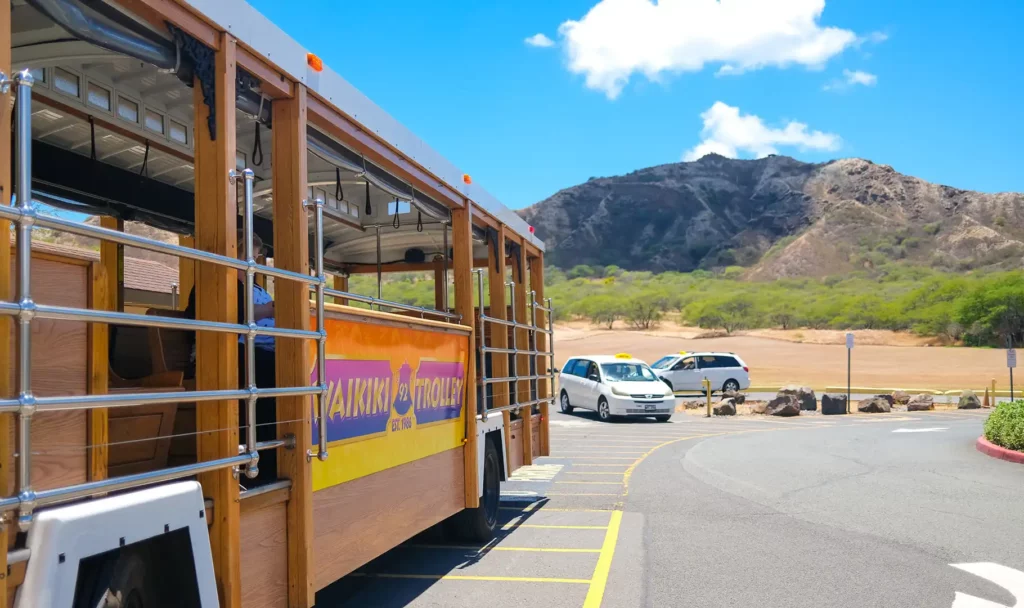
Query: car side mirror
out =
(594, 377)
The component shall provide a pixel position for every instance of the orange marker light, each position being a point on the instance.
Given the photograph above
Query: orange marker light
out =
(467, 179)
(315, 62)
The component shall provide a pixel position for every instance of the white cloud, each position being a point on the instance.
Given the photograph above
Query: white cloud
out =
(539, 40)
(617, 38)
(852, 78)
(858, 77)
(728, 132)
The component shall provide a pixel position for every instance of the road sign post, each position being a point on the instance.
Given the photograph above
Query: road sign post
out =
(1011, 362)
(849, 353)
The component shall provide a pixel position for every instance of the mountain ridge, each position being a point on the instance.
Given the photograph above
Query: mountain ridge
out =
(777, 217)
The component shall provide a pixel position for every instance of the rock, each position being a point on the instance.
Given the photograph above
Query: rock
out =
(889, 398)
(737, 398)
(833, 405)
(758, 407)
(693, 405)
(968, 401)
(783, 405)
(901, 397)
(920, 403)
(804, 395)
(725, 407)
(875, 405)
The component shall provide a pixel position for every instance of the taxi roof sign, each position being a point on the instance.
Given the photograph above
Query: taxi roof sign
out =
(623, 356)
(683, 352)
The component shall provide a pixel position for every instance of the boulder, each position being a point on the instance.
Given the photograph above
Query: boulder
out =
(901, 397)
(725, 407)
(804, 395)
(889, 398)
(758, 407)
(694, 405)
(783, 405)
(875, 405)
(737, 398)
(968, 401)
(920, 403)
(833, 405)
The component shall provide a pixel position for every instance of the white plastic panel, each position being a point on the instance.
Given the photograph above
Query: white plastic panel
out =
(88, 528)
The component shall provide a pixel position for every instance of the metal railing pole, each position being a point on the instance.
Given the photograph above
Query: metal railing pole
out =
(23, 190)
(444, 230)
(535, 367)
(252, 468)
(321, 345)
(512, 359)
(380, 286)
(550, 359)
(481, 330)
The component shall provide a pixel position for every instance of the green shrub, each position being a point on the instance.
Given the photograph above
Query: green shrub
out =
(1005, 426)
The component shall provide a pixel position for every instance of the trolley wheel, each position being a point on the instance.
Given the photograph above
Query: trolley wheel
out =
(479, 524)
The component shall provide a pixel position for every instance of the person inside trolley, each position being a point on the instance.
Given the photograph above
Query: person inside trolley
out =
(265, 359)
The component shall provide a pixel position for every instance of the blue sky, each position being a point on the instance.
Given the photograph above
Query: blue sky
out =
(934, 89)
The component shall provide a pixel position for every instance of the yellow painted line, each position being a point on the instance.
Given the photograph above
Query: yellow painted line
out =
(513, 526)
(545, 509)
(465, 577)
(595, 451)
(602, 483)
(578, 494)
(594, 458)
(604, 563)
(499, 548)
(629, 471)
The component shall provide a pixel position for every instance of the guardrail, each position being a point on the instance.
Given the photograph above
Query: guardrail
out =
(539, 358)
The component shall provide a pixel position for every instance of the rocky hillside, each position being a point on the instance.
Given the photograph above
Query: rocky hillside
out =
(778, 217)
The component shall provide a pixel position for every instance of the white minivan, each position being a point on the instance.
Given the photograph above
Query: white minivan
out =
(687, 371)
(614, 386)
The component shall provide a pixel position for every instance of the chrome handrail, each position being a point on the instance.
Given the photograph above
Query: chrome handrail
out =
(532, 330)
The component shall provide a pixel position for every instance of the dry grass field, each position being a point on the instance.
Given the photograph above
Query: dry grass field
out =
(881, 359)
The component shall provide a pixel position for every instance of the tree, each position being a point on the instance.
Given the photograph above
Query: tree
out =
(643, 312)
(605, 310)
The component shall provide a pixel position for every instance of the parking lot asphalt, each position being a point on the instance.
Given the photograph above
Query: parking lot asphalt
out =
(861, 510)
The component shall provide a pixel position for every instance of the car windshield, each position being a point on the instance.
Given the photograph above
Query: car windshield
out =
(628, 372)
(664, 362)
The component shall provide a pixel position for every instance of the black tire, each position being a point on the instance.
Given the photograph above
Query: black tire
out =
(730, 385)
(563, 402)
(603, 411)
(663, 418)
(479, 524)
(121, 583)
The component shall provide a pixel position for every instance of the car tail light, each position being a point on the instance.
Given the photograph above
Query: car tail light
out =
(746, 369)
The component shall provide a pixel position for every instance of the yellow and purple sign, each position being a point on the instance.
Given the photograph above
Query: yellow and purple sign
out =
(394, 395)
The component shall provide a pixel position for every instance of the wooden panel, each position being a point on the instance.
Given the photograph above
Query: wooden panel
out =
(183, 444)
(523, 342)
(264, 549)
(291, 252)
(543, 363)
(462, 260)
(217, 353)
(515, 450)
(496, 273)
(98, 366)
(186, 273)
(362, 315)
(355, 522)
(59, 367)
(140, 427)
(535, 431)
